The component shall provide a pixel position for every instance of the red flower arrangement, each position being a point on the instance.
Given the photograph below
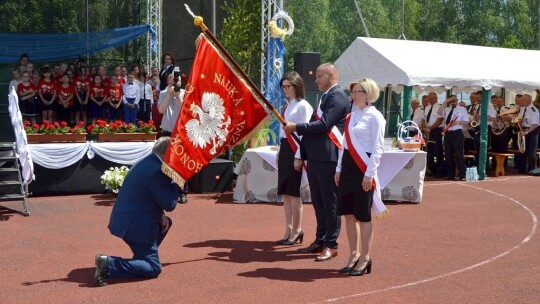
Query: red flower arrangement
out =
(47, 127)
(119, 126)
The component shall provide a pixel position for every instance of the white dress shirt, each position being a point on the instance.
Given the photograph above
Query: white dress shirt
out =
(298, 111)
(418, 115)
(368, 128)
(434, 116)
(131, 90)
(459, 114)
(531, 116)
(145, 90)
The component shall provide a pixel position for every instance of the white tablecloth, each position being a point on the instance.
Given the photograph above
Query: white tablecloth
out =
(401, 176)
(61, 155)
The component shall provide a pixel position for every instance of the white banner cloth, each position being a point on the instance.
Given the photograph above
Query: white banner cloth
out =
(25, 157)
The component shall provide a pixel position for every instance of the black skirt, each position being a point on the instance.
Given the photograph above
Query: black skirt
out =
(351, 198)
(288, 179)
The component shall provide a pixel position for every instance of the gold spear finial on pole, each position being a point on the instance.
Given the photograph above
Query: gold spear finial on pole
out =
(197, 20)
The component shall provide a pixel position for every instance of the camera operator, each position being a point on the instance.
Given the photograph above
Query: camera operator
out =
(170, 104)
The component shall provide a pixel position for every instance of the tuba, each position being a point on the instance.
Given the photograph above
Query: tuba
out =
(498, 126)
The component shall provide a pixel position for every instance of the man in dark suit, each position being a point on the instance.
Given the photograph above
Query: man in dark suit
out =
(139, 219)
(167, 60)
(321, 152)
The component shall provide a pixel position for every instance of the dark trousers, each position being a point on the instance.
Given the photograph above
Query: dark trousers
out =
(499, 143)
(453, 147)
(531, 144)
(324, 199)
(114, 114)
(145, 109)
(63, 114)
(435, 150)
(144, 264)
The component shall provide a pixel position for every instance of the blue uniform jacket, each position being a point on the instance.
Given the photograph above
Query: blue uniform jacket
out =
(145, 193)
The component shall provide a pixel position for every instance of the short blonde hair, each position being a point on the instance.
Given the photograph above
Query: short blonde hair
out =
(368, 85)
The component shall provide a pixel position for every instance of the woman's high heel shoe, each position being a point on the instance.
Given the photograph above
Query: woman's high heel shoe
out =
(349, 269)
(280, 242)
(299, 238)
(361, 272)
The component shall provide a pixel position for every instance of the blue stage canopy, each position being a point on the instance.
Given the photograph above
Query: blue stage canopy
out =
(54, 47)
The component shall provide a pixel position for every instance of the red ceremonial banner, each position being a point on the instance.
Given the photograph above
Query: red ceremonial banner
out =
(219, 110)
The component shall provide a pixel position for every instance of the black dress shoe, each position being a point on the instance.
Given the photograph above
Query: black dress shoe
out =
(349, 269)
(361, 272)
(299, 238)
(182, 199)
(313, 248)
(102, 269)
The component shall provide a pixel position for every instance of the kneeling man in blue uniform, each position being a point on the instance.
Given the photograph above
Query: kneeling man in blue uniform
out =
(139, 219)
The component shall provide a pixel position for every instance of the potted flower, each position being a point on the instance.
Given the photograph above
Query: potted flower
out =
(54, 132)
(114, 178)
(261, 136)
(121, 131)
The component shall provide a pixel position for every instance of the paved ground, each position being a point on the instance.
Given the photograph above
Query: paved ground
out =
(465, 243)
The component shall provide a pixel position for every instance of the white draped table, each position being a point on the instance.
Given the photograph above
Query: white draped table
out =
(62, 155)
(75, 168)
(401, 176)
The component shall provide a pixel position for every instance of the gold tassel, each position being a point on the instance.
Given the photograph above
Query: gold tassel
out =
(383, 214)
(172, 174)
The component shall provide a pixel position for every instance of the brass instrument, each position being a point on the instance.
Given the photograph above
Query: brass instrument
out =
(521, 137)
(474, 123)
(500, 125)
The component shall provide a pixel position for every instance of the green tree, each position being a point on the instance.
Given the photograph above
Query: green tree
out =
(312, 31)
(241, 35)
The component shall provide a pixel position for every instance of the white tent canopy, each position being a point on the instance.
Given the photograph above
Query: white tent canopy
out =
(438, 66)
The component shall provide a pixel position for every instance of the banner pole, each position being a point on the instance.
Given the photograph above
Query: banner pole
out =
(198, 21)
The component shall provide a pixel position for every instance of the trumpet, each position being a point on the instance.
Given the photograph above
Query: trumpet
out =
(474, 123)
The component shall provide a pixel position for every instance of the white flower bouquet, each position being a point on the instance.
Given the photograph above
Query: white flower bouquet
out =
(114, 177)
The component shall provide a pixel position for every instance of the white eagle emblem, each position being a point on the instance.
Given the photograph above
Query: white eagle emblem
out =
(210, 128)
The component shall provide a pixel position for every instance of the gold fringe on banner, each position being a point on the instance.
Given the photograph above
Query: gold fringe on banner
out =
(172, 174)
(383, 214)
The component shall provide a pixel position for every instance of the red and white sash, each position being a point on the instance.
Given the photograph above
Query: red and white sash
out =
(361, 158)
(334, 134)
(294, 145)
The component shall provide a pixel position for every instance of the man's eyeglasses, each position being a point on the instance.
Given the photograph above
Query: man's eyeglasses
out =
(286, 86)
(357, 91)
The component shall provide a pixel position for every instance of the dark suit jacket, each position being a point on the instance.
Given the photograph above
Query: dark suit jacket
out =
(145, 193)
(315, 144)
(163, 75)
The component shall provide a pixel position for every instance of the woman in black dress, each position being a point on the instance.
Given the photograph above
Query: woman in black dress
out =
(356, 173)
(296, 110)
